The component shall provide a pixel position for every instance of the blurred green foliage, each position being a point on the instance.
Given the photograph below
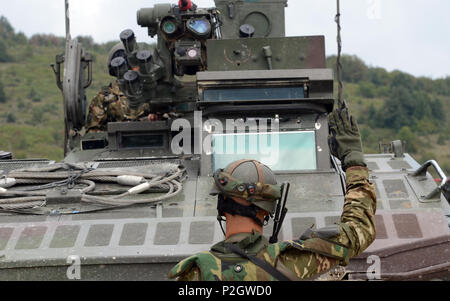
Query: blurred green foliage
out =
(2, 93)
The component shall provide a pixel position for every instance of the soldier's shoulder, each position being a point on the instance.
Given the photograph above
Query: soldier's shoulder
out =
(115, 89)
(112, 89)
(101, 96)
(319, 246)
(286, 245)
(274, 250)
(203, 258)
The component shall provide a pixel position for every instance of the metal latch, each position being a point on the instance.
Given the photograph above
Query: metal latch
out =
(64, 195)
(397, 147)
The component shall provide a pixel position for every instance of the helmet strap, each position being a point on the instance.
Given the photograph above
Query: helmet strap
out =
(220, 219)
(228, 205)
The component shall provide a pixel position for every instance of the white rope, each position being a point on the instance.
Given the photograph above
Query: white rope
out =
(50, 177)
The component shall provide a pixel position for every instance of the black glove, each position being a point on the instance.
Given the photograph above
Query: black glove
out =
(344, 139)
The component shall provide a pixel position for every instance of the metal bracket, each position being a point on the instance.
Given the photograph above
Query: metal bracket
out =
(87, 59)
(445, 184)
(57, 70)
(231, 10)
(396, 147)
(63, 196)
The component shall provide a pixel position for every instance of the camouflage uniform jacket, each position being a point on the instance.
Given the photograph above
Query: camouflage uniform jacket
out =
(300, 259)
(111, 105)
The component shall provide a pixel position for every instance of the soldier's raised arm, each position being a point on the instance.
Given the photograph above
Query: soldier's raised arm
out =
(357, 220)
(356, 230)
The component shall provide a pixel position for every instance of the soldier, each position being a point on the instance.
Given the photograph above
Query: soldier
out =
(246, 255)
(111, 105)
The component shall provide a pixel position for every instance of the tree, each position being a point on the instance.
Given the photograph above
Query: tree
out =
(11, 118)
(20, 38)
(420, 106)
(33, 95)
(405, 134)
(47, 40)
(442, 86)
(372, 116)
(425, 84)
(20, 104)
(4, 55)
(367, 89)
(437, 109)
(401, 79)
(6, 30)
(86, 41)
(37, 116)
(378, 76)
(353, 68)
(2, 94)
(397, 110)
(365, 132)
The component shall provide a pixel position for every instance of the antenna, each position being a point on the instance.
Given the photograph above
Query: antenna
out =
(67, 21)
(341, 103)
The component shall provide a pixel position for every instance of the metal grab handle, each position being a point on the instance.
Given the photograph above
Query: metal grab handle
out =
(422, 171)
(87, 58)
(57, 70)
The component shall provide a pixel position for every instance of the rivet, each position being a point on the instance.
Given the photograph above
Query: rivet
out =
(238, 268)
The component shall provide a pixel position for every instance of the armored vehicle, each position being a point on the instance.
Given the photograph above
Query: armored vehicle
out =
(130, 202)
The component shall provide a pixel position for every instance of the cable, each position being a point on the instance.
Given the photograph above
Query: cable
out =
(169, 185)
(341, 102)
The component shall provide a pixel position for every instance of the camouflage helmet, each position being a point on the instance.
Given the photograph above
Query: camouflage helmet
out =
(249, 180)
(117, 51)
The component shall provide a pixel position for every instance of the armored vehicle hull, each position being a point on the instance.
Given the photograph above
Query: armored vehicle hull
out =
(143, 242)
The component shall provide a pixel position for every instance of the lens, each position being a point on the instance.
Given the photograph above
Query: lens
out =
(192, 53)
(131, 77)
(118, 67)
(199, 26)
(144, 56)
(133, 86)
(169, 27)
(129, 40)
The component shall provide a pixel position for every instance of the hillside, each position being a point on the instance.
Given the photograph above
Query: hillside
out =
(388, 105)
(396, 105)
